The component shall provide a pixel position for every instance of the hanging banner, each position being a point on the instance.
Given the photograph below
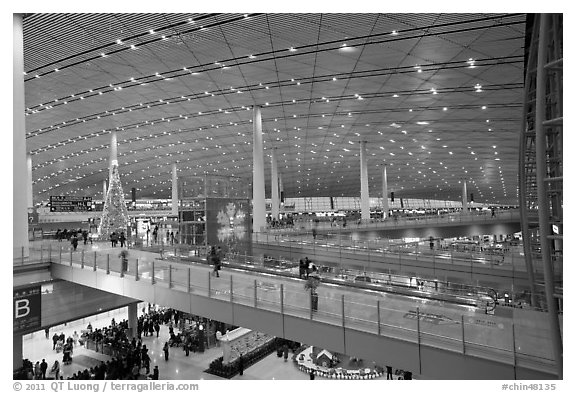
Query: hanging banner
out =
(27, 309)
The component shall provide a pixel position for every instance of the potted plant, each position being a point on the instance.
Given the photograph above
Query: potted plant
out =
(312, 284)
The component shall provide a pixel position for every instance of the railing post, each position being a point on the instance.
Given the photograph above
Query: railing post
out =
(169, 276)
(107, 263)
(310, 304)
(94, 267)
(50, 252)
(188, 281)
(41, 253)
(378, 315)
(514, 349)
(463, 338)
(153, 277)
(419, 349)
(70, 257)
(255, 293)
(82, 262)
(209, 284)
(451, 255)
(136, 278)
(343, 316)
(122, 267)
(231, 290)
(22, 255)
(281, 298)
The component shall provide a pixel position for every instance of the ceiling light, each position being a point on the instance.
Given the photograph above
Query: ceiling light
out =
(292, 49)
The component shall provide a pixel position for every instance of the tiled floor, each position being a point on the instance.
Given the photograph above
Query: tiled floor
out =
(36, 347)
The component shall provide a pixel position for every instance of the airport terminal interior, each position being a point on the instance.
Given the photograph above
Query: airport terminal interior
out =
(288, 196)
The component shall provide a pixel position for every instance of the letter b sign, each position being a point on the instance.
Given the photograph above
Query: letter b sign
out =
(27, 309)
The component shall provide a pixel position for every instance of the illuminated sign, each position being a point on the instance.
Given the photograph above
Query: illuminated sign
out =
(70, 204)
(27, 307)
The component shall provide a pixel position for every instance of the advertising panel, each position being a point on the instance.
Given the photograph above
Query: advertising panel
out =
(229, 225)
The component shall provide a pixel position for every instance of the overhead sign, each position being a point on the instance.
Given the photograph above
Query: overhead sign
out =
(70, 204)
(27, 308)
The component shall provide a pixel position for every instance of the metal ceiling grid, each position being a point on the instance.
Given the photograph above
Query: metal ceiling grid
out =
(377, 111)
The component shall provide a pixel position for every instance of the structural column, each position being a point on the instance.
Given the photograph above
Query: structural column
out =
(543, 197)
(20, 177)
(364, 196)
(133, 319)
(174, 190)
(17, 356)
(384, 193)
(258, 199)
(29, 195)
(464, 198)
(113, 153)
(104, 190)
(274, 184)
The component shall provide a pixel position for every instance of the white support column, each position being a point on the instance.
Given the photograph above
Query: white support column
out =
(20, 178)
(464, 197)
(364, 196)
(104, 190)
(174, 190)
(29, 195)
(384, 193)
(274, 184)
(258, 198)
(113, 153)
(133, 319)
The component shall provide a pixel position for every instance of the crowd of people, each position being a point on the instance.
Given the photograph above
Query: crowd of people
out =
(73, 236)
(306, 267)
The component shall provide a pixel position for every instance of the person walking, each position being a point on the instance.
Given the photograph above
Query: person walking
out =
(156, 373)
(74, 242)
(157, 328)
(122, 239)
(47, 332)
(55, 370)
(59, 235)
(166, 350)
(85, 236)
(43, 368)
(172, 238)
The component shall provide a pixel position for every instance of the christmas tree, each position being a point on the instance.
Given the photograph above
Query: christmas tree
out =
(115, 215)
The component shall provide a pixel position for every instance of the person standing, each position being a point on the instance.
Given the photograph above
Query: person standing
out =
(156, 374)
(122, 239)
(157, 328)
(85, 236)
(43, 368)
(241, 365)
(59, 235)
(166, 350)
(172, 238)
(55, 339)
(37, 371)
(47, 331)
(389, 372)
(74, 242)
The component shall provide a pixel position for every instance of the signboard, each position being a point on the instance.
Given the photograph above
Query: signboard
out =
(229, 224)
(27, 307)
(70, 204)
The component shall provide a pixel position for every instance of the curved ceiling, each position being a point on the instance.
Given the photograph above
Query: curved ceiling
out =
(437, 97)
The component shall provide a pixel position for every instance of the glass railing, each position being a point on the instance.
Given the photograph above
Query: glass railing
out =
(398, 221)
(510, 258)
(506, 340)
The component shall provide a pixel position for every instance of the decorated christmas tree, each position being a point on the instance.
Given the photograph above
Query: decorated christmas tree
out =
(115, 215)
